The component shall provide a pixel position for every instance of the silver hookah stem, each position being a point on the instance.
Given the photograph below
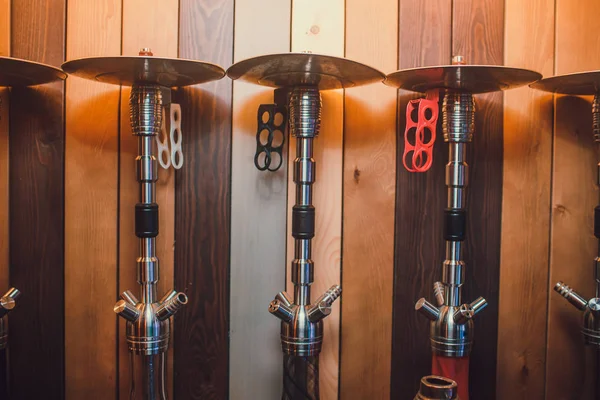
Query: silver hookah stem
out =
(148, 320)
(301, 319)
(451, 330)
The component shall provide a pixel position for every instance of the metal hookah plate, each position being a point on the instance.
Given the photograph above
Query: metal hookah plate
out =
(17, 72)
(123, 70)
(580, 83)
(299, 69)
(467, 78)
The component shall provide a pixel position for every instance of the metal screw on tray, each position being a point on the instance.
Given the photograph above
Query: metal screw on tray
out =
(451, 326)
(301, 77)
(148, 319)
(15, 72)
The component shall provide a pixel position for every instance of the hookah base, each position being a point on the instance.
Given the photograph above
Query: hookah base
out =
(455, 368)
(300, 377)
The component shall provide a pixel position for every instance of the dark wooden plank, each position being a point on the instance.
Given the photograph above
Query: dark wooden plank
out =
(478, 35)
(37, 213)
(424, 39)
(202, 213)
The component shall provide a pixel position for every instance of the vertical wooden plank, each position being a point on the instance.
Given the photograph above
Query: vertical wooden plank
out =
(4, 107)
(524, 257)
(91, 176)
(318, 27)
(574, 196)
(369, 200)
(36, 193)
(258, 215)
(424, 39)
(203, 213)
(477, 34)
(156, 28)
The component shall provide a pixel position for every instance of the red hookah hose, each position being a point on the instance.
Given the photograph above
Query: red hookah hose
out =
(420, 152)
(455, 368)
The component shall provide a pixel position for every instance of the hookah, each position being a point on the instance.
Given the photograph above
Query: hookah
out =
(15, 72)
(300, 77)
(434, 387)
(148, 321)
(451, 321)
(582, 84)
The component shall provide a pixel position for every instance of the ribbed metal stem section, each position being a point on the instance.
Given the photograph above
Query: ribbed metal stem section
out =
(300, 378)
(458, 113)
(305, 122)
(305, 112)
(145, 107)
(458, 116)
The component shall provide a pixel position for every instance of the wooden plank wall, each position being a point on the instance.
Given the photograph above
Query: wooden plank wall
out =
(524, 256)
(368, 203)
(258, 215)
(91, 207)
(203, 208)
(424, 39)
(224, 226)
(36, 193)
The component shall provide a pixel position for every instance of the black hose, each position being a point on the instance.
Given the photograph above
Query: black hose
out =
(300, 378)
(4, 374)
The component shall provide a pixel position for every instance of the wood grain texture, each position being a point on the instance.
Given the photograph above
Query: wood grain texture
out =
(156, 28)
(528, 118)
(318, 26)
(477, 34)
(574, 196)
(368, 206)
(91, 196)
(258, 216)
(203, 213)
(424, 39)
(4, 124)
(36, 179)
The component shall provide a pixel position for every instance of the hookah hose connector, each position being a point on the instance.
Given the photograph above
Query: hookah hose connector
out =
(591, 313)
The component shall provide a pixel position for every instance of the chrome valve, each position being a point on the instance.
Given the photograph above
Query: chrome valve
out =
(301, 320)
(591, 313)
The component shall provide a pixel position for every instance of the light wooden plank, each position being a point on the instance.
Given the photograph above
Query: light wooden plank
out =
(318, 27)
(574, 196)
(369, 203)
(4, 107)
(91, 174)
(524, 256)
(258, 215)
(157, 29)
